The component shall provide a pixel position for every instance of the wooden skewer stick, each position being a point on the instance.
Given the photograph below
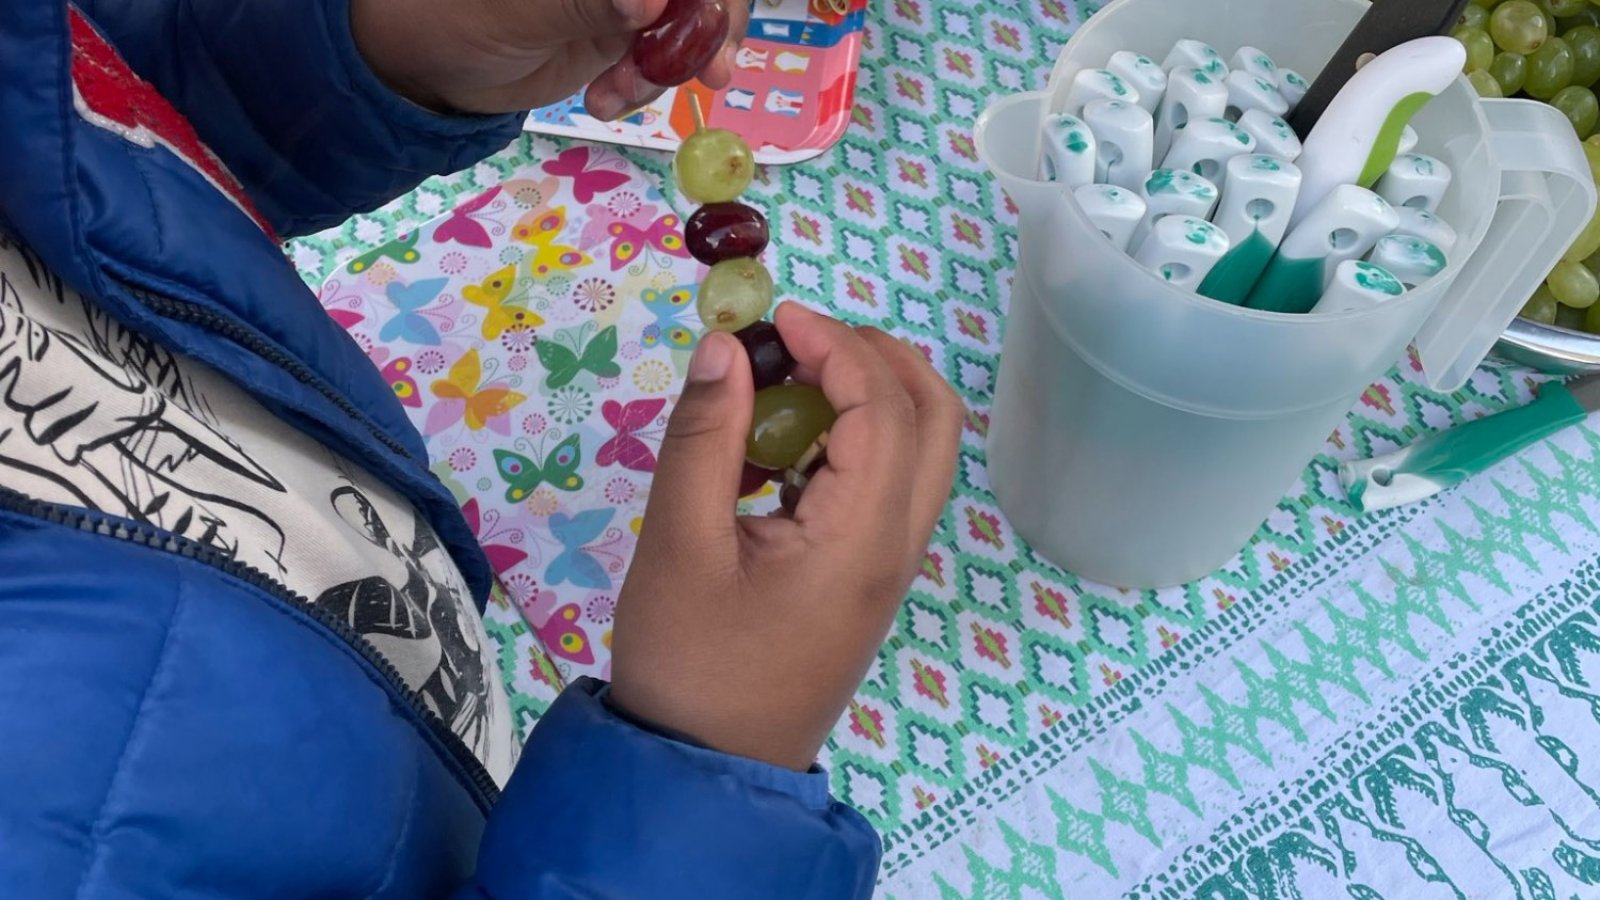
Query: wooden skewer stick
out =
(694, 110)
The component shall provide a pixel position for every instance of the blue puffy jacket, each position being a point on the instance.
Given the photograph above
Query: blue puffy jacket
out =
(142, 754)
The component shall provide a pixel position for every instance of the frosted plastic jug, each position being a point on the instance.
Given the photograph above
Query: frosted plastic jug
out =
(1141, 434)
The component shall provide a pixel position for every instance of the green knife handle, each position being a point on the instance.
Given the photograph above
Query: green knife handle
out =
(1447, 458)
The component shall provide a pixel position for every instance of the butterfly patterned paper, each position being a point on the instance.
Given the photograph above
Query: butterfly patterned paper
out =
(537, 335)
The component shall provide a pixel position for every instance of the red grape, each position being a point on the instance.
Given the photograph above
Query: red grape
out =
(722, 231)
(752, 479)
(681, 42)
(770, 361)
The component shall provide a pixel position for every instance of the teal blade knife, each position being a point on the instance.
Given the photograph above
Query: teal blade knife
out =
(1447, 458)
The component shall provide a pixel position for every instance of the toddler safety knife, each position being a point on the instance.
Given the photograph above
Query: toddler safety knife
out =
(1445, 459)
(1388, 24)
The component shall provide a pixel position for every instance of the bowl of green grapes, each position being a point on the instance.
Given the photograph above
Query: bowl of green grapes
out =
(1548, 50)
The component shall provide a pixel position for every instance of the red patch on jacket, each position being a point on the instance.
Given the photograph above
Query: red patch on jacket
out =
(109, 95)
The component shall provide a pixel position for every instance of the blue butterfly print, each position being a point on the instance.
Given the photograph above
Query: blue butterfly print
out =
(409, 324)
(670, 308)
(576, 565)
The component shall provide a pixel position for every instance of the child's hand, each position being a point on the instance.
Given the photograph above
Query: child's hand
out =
(751, 634)
(495, 56)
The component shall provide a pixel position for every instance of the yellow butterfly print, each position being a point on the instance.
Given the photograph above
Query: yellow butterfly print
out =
(462, 395)
(493, 294)
(540, 228)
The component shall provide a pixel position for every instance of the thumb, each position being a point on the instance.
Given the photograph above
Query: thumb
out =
(697, 476)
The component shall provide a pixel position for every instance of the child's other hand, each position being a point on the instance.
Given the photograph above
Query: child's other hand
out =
(751, 634)
(496, 56)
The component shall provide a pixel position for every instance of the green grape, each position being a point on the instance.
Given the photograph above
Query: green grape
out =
(714, 166)
(1480, 49)
(1592, 263)
(1486, 4)
(735, 294)
(1485, 85)
(1566, 7)
(1580, 106)
(1591, 149)
(1519, 26)
(1569, 318)
(1549, 68)
(1591, 319)
(786, 421)
(1588, 242)
(1511, 70)
(1475, 17)
(1585, 43)
(1541, 307)
(1573, 285)
(1589, 16)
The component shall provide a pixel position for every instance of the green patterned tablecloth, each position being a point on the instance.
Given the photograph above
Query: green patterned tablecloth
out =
(1404, 705)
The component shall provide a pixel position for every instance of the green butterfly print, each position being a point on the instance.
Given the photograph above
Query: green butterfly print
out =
(402, 250)
(564, 364)
(522, 475)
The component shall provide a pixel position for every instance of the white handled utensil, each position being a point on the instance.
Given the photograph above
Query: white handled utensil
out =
(1125, 137)
(1293, 87)
(1182, 250)
(1090, 85)
(1247, 91)
(1447, 458)
(1345, 225)
(1116, 211)
(1426, 225)
(1068, 152)
(1191, 94)
(1205, 146)
(1359, 135)
(1193, 54)
(1410, 258)
(1169, 192)
(1142, 73)
(1257, 198)
(1273, 135)
(1415, 180)
(1356, 285)
(1254, 61)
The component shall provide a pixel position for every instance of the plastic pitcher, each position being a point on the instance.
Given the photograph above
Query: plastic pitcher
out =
(1141, 434)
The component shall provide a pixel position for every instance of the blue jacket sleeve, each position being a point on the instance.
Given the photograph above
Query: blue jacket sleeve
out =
(600, 809)
(280, 93)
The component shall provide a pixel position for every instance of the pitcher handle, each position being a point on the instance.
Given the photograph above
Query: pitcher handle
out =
(1547, 196)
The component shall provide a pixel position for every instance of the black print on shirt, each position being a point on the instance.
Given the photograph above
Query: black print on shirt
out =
(424, 611)
(122, 446)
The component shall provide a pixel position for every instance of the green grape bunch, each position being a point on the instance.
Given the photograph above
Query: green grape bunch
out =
(1547, 50)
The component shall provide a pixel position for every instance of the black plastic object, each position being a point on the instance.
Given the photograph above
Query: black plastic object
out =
(1388, 24)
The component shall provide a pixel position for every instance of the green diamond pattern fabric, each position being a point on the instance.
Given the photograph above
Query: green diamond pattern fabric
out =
(1401, 705)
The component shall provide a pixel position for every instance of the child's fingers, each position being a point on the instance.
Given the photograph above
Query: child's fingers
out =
(872, 445)
(939, 416)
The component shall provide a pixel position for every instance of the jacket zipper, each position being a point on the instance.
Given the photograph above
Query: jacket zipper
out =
(167, 542)
(193, 314)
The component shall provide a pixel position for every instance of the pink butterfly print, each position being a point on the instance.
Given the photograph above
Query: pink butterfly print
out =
(626, 449)
(397, 374)
(347, 318)
(463, 227)
(602, 217)
(502, 557)
(341, 306)
(586, 182)
(630, 235)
